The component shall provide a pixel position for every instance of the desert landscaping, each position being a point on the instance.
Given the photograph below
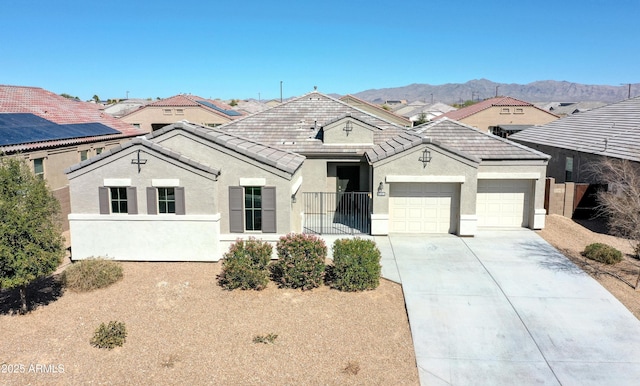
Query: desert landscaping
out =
(183, 328)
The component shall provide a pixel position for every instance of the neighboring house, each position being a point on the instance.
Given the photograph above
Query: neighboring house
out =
(563, 109)
(313, 164)
(250, 106)
(501, 116)
(376, 110)
(416, 111)
(159, 114)
(125, 106)
(578, 140)
(53, 133)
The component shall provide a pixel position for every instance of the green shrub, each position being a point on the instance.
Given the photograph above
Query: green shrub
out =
(300, 261)
(91, 274)
(266, 339)
(356, 265)
(603, 253)
(245, 265)
(109, 335)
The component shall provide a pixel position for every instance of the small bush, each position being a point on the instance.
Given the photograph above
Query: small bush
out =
(266, 339)
(356, 265)
(245, 265)
(91, 274)
(301, 261)
(109, 335)
(352, 368)
(603, 253)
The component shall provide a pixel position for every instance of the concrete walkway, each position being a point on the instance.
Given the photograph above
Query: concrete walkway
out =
(506, 308)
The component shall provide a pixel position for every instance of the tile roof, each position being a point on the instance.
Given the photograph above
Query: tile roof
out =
(59, 110)
(294, 125)
(378, 108)
(269, 155)
(148, 144)
(501, 101)
(23, 128)
(474, 143)
(612, 130)
(188, 100)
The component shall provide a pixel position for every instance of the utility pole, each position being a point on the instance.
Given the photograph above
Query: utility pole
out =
(280, 91)
(497, 87)
(431, 98)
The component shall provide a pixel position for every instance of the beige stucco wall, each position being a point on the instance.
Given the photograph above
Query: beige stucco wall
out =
(162, 237)
(334, 134)
(443, 163)
(200, 187)
(493, 116)
(233, 167)
(155, 114)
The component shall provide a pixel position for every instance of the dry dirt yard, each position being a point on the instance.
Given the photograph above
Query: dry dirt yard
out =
(184, 329)
(570, 238)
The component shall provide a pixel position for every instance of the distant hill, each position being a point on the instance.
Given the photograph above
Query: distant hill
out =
(540, 91)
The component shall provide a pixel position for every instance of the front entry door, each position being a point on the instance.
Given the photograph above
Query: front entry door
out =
(348, 179)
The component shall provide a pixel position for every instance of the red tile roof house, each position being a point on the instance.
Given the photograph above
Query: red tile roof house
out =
(501, 115)
(192, 108)
(313, 164)
(54, 132)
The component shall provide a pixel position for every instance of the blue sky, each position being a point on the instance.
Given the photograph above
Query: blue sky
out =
(244, 49)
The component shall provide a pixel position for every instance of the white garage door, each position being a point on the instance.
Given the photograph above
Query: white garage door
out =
(422, 207)
(503, 203)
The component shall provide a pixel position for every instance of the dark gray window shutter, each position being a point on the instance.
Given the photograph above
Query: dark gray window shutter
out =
(180, 206)
(132, 200)
(236, 225)
(152, 201)
(103, 198)
(269, 209)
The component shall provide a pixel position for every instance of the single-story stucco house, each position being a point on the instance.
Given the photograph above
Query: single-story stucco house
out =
(313, 164)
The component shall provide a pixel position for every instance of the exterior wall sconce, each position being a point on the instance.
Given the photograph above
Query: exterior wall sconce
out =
(293, 199)
(347, 128)
(381, 191)
(425, 158)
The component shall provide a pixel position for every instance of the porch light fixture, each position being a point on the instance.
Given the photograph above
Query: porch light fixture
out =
(293, 199)
(347, 128)
(425, 158)
(381, 190)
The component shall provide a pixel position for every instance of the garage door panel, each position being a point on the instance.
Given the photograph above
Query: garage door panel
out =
(503, 203)
(422, 208)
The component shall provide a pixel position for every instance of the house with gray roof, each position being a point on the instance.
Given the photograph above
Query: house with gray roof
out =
(313, 164)
(577, 141)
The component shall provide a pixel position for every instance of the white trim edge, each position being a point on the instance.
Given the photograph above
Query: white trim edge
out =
(296, 185)
(393, 178)
(509, 176)
(117, 182)
(165, 182)
(253, 181)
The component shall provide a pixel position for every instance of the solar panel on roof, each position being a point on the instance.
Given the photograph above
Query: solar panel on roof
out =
(231, 113)
(19, 128)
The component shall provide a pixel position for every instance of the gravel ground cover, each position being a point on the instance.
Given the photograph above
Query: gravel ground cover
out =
(184, 329)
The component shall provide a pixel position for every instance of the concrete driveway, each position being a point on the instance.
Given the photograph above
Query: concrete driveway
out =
(506, 308)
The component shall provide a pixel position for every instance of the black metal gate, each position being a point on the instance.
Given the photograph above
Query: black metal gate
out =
(337, 213)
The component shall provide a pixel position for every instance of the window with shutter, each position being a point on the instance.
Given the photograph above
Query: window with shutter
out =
(236, 225)
(152, 201)
(269, 209)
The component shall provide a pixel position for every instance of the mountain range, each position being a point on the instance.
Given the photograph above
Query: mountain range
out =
(479, 89)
